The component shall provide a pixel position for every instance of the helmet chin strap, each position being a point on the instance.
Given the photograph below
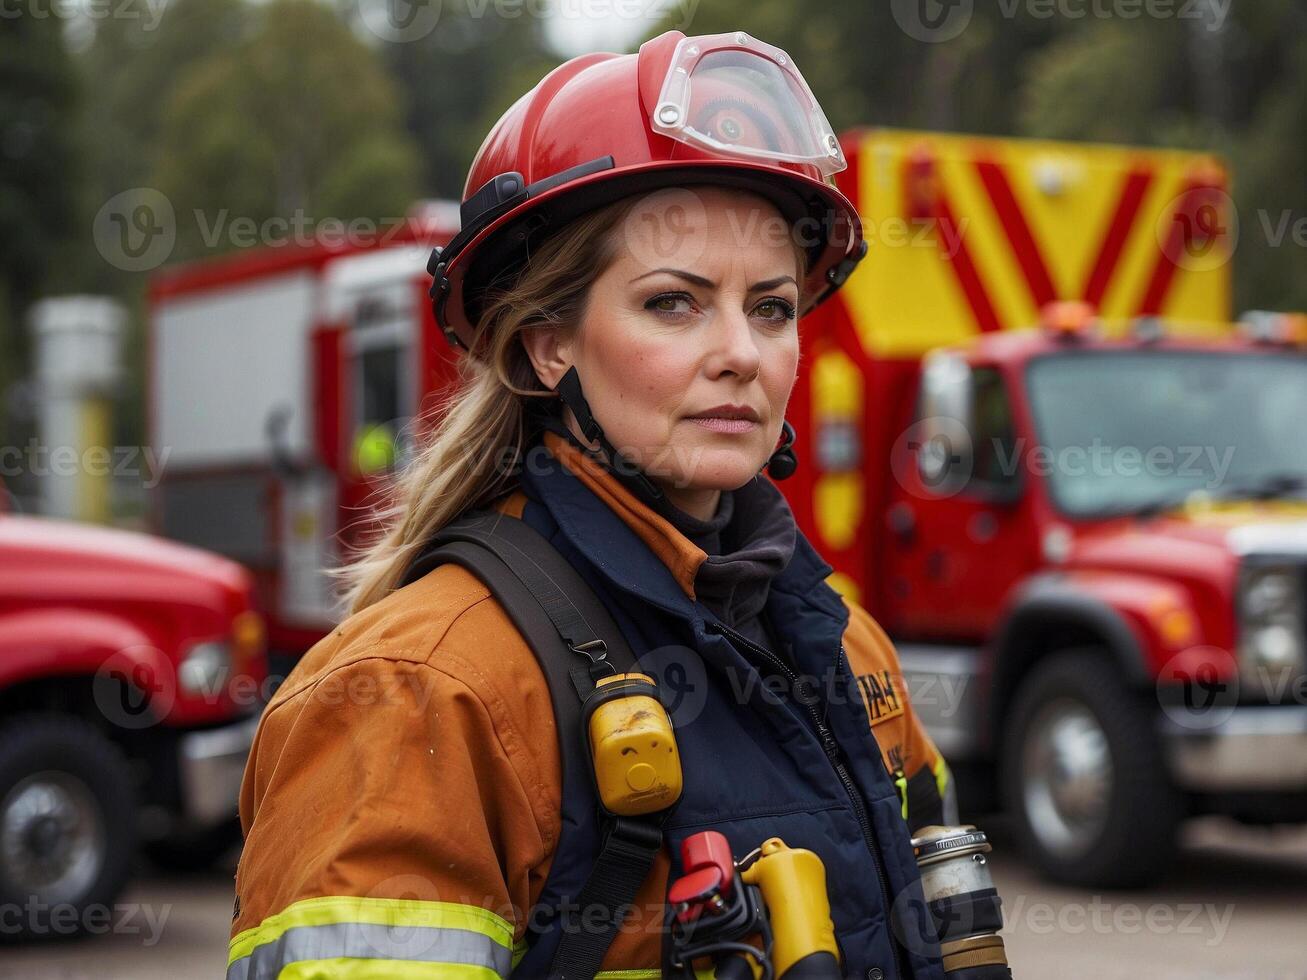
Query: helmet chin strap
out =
(780, 466)
(569, 390)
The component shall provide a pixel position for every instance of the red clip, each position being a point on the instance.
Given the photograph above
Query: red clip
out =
(709, 875)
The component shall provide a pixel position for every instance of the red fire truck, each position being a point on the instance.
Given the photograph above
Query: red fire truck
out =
(131, 676)
(1035, 449)
(271, 373)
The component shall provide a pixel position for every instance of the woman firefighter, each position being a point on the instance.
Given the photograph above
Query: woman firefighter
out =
(640, 234)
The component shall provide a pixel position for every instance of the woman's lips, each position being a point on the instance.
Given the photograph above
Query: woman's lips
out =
(726, 425)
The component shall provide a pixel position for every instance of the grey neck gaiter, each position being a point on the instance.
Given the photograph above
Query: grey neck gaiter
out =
(749, 541)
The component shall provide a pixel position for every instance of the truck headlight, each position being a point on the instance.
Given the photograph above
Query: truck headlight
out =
(1271, 626)
(205, 668)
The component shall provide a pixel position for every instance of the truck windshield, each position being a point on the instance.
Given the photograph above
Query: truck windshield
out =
(1142, 431)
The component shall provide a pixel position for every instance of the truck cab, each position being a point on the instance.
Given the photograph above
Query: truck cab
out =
(1099, 547)
(131, 675)
(1038, 450)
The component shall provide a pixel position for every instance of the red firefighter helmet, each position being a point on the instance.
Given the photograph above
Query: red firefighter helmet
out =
(722, 109)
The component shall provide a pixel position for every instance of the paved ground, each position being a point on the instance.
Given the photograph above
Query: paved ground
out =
(1235, 909)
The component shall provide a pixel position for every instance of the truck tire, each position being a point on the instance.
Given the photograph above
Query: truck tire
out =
(1083, 775)
(67, 827)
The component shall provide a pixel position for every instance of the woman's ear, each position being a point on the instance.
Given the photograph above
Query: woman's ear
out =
(550, 352)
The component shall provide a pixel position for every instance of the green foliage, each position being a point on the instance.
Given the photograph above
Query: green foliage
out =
(458, 79)
(1070, 80)
(289, 123)
(38, 171)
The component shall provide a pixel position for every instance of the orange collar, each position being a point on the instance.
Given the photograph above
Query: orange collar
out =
(673, 548)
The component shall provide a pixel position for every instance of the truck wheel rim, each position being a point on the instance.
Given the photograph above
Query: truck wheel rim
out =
(1067, 778)
(51, 837)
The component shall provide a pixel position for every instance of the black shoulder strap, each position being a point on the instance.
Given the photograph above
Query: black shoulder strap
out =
(574, 611)
(576, 642)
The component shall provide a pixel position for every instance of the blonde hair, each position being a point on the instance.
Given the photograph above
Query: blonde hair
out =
(479, 429)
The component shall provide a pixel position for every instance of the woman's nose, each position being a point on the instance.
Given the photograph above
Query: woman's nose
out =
(735, 347)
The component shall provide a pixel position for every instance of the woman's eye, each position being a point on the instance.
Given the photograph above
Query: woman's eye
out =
(670, 303)
(774, 309)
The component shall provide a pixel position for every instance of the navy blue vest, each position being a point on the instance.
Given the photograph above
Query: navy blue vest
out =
(759, 757)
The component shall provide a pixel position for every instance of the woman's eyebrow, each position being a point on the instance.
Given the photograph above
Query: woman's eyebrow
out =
(758, 287)
(680, 274)
(698, 280)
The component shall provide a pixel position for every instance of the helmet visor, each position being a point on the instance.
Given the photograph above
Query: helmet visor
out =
(735, 96)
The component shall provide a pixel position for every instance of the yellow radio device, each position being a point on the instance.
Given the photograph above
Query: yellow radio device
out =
(636, 763)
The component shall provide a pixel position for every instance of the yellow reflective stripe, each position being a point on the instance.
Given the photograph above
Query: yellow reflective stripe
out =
(942, 776)
(337, 909)
(901, 781)
(348, 968)
(519, 951)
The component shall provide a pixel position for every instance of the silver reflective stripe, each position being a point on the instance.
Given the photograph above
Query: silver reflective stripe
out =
(358, 940)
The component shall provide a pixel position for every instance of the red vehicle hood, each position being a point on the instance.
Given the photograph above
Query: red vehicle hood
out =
(1196, 542)
(52, 560)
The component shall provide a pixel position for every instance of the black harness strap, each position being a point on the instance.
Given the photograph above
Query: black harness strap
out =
(563, 621)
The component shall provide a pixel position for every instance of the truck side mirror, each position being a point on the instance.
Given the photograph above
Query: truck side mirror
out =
(943, 444)
(274, 427)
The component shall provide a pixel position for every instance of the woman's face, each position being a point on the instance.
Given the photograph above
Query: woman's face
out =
(688, 347)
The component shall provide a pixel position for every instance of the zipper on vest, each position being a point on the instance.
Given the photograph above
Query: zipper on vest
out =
(834, 756)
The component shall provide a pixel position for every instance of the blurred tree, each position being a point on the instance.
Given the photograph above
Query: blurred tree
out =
(296, 124)
(1270, 165)
(132, 65)
(127, 70)
(38, 174)
(459, 77)
(1068, 82)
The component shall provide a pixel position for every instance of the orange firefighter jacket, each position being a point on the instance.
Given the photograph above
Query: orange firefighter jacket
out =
(401, 802)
